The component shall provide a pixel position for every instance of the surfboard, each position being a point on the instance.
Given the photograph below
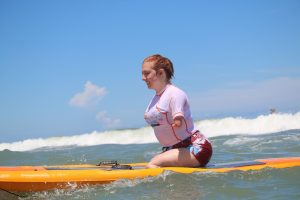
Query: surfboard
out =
(39, 178)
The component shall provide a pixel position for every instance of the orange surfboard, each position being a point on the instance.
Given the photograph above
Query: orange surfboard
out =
(38, 178)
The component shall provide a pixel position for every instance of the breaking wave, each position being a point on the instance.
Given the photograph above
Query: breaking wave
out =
(263, 124)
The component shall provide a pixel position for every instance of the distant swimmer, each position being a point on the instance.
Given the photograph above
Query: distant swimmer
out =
(273, 111)
(170, 116)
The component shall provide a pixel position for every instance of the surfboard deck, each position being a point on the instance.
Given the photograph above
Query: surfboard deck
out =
(38, 178)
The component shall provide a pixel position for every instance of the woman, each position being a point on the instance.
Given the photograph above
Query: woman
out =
(169, 115)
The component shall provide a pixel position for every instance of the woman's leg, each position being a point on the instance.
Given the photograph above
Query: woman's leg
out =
(174, 158)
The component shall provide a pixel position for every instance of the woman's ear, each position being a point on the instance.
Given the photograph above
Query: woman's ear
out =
(160, 72)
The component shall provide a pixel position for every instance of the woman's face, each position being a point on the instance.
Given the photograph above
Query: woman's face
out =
(149, 74)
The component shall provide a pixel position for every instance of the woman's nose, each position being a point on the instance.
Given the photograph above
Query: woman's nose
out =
(143, 77)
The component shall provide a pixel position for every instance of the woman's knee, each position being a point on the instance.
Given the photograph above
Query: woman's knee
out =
(154, 163)
(150, 165)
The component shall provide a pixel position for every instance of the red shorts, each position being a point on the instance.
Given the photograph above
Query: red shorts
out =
(198, 145)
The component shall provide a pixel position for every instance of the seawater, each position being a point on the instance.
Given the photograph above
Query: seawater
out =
(233, 139)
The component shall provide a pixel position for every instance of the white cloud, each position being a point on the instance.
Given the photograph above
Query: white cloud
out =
(91, 95)
(281, 92)
(107, 121)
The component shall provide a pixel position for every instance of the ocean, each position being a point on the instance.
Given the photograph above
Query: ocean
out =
(233, 139)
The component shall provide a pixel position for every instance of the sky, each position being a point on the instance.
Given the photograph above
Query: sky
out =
(74, 66)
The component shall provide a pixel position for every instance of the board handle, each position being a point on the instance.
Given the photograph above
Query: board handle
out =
(108, 162)
(114, 164)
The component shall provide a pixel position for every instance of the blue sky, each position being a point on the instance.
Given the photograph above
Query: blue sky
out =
(70, 67)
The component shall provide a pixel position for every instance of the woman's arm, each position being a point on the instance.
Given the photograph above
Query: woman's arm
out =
(177, 121)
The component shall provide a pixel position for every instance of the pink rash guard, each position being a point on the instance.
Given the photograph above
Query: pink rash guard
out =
(161, 111)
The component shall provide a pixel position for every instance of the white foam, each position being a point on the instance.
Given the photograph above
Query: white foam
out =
(240, 141)
(129, 136)
(262, 124)
(216, 127)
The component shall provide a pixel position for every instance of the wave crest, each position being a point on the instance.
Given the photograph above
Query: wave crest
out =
(262, 124)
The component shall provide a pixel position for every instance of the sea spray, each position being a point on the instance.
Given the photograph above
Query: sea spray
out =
(127, 136)
(262, 124)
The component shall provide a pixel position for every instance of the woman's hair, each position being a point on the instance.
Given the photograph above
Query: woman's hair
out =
(160, 62)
